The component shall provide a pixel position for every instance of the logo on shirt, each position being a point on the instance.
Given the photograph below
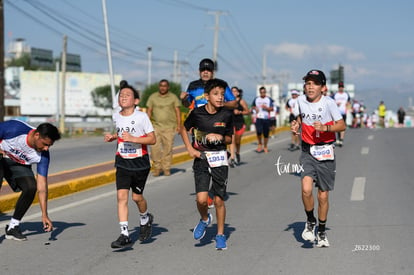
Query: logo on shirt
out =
(219, 124)
(312, 116)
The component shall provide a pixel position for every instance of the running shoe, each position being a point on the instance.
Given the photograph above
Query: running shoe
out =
(121, 242)
(221, 242)
(15, 234)
(146, 229)
(210, 202)
(231, 163)
(308, 233)
(292, 147)
(200, 229)
(238, 158)
(322, 240)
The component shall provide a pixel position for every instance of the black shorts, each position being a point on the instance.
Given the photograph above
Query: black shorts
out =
(262, 127)
(126, 179)
(202, 175)
(292, 117)
(322, 172)
(11, 171)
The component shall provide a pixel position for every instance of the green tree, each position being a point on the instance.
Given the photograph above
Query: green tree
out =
(102, 96)
(23, 61)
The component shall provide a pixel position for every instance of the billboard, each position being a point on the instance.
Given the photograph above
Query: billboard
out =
(39, 93)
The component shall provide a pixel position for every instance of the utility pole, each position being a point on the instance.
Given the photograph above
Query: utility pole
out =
(149, 50)
(2, 111)
(264, 71)
(175, 67)
(63, 88)
(108, 51)
(216, 33)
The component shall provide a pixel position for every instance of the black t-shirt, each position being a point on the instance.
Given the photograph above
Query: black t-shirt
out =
(203, 123)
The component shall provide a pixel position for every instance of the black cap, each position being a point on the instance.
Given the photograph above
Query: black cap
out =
(206, 64)
(341, 84)
(317, 75)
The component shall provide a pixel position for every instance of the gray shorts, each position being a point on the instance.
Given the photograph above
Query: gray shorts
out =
(322, 172)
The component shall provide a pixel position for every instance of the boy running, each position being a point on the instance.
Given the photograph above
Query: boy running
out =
(134, 132)
(211, 127)
(319, 118)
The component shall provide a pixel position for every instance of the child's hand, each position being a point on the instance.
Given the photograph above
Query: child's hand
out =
(108, 137)
(127, 136)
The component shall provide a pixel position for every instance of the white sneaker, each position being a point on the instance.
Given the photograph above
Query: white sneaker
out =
(322, 240)
(308, 233)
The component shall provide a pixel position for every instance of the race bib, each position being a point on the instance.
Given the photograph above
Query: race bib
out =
(216, 158)
(322, 152)
(129, 150)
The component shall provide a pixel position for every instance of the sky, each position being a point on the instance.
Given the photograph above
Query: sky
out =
(372, 39)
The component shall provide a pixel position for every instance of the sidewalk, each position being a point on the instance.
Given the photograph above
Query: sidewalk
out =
(76, 180)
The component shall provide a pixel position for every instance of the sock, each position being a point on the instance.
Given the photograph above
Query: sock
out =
(144, 218)
(13, 223)
(311, 217)
(322, 226)
(124, 228)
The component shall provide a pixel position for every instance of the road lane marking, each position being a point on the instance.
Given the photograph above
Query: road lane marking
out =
(370, 137)
(358, 189)
(364, 150)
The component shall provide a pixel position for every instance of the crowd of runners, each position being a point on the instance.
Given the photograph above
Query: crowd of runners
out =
(212, 135)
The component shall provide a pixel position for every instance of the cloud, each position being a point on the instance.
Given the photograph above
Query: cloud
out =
(303, 51)
(403, 55)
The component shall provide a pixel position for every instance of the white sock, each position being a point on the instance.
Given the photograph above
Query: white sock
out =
(144, 218)
(124, 228)
(13, 223)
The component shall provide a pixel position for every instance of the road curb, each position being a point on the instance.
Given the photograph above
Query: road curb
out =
(56, 190)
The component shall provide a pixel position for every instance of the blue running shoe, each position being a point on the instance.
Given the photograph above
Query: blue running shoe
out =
(200, 229)
(221, 242)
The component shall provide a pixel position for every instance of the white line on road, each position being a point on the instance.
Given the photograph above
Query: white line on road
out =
(370, 137)
(66, 206)
(358, 189)
(364, 150)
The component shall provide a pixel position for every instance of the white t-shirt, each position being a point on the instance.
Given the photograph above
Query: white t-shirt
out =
(341, 100)
(325, 111)
(262, 101)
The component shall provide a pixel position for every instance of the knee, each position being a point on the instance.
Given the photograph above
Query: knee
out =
(323, 197)
(307, 192)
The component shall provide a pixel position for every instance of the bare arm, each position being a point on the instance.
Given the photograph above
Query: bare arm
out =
(230, 104)
(295, 126)
(245, 110)
(191, 151)
(149, 139)
(184, 99)
(42, 190)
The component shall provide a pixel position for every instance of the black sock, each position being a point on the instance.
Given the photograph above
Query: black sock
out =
(321, 227)
(311, 217)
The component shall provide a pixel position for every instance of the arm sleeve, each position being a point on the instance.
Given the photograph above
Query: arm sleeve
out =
(228, 95)
(43, 165)
(188, 123)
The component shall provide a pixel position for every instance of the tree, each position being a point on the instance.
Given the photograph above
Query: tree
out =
(102, 96)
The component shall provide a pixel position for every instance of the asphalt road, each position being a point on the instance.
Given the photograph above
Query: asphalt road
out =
(370, 223)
